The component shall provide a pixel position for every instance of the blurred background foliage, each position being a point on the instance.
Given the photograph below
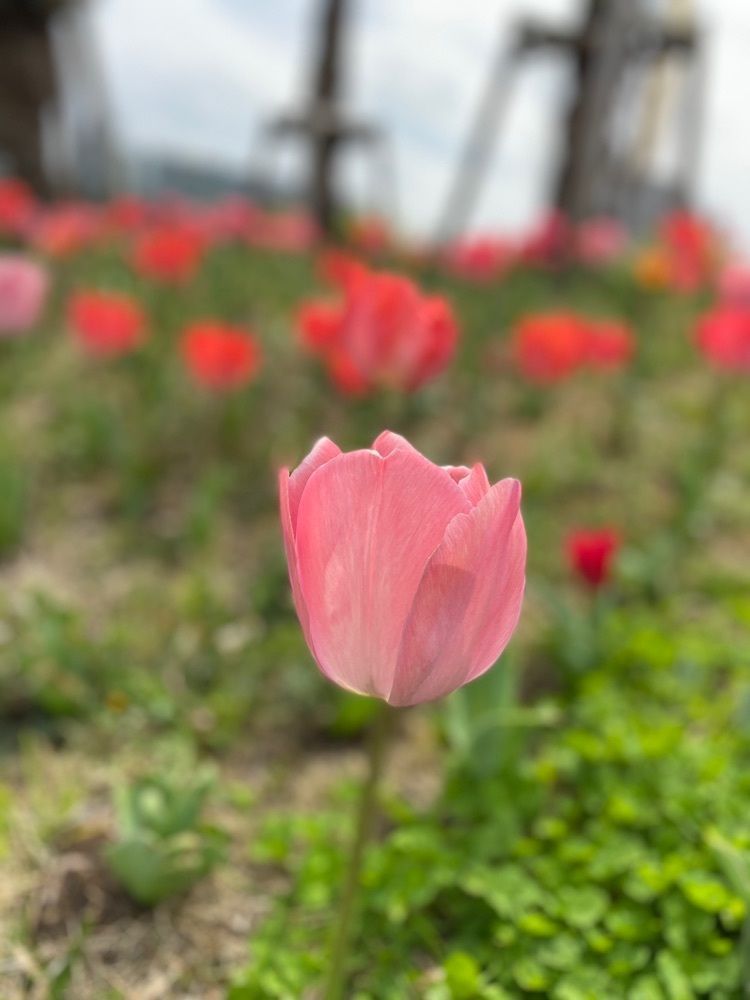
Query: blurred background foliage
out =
(571, 826)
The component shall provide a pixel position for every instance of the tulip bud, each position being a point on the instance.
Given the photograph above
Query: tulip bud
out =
(591, 554)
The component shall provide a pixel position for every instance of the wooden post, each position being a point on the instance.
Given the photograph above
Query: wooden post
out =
(326, 87)
(599, 60)
(27, 87)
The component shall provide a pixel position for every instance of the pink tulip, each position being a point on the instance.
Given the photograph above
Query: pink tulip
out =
(407, 577)
(734, 284)
(600, 240)
(23, 288)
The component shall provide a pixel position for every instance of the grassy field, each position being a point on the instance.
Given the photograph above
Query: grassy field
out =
(176, 778)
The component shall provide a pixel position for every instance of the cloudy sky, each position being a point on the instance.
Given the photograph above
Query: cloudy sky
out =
(200, 77)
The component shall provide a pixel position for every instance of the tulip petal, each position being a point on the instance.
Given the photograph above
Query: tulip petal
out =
(476, 485)
(457, 472)
(290, 492)
(366, 527)
(468, 602)
(290, 549)
(387, 442)
(323, 451)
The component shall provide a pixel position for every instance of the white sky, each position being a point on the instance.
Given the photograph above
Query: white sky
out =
(199, 77)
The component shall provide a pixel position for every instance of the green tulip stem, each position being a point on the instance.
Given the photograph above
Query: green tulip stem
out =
(745, 956)
(346, 915)
(706, 459)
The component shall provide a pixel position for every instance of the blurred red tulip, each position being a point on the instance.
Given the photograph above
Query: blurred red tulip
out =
(340, 268)
(65, 229)
(549, 347)
(107, 324)
(219, 356)
(319, 324)
(591, 553)
(687, 233)
(128, 213)
(17, 206)
(692, 247)
(479, 259)
(393, 335)
(723, 336)
(384, 333)
(441, 336)
(170, 253)
(611, 345)
(345, 375)
(23, 289)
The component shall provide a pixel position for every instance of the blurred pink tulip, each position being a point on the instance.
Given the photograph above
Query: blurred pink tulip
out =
(407, 577)
(600, 240)
(66, 228)
(23, 289)
(481, 258)
(286, 232)
(734, 284)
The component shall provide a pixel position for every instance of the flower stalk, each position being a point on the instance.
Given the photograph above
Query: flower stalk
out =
(699, 471)
(346, 915)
